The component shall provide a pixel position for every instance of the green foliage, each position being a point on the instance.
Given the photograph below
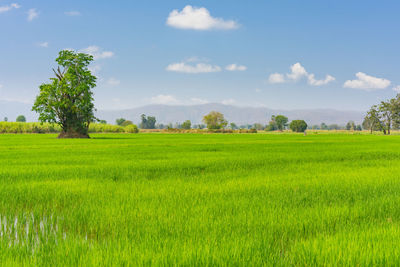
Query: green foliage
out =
(281, 122)
(131, 128)
(233, 126)
(21, 118)
(120, 121)
(126, 123)
(36, 127)
(148, 122)
(187, 125)
(215, 120)
(298, 126)
(103, 121)
(5, 119)
(383, 116)
(68, 99)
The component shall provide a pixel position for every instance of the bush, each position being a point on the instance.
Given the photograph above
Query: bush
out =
(298, 126)
(132, 128)
(37, 127)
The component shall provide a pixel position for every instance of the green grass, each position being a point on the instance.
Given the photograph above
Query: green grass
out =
(187, 199)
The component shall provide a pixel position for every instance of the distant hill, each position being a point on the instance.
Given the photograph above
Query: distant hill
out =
(239, 115)
(173, 114)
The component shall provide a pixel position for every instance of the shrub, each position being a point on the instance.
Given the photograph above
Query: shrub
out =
(132, 128)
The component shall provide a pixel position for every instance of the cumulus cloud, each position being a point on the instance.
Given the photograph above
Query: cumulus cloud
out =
(9, 7)
(367, 82)
(198, 19)
(235, 67)
(396, 88)
(32, 14)
(193, 69)
(97, 52)
(113, 82)
(313, 81)
(297, 72)
(164, 100)
(276, 78)
(72, 13)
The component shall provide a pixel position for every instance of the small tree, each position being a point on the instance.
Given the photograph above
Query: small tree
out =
(120, 121)
(215, 120)
(148, 122)
(281, 122)
(5, 119)
(233, 126)
(68, 99)
(298, 126)
(187, 125)
(102, 121)
(21, 118)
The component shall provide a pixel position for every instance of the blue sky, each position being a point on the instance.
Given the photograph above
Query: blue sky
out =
(279, 54)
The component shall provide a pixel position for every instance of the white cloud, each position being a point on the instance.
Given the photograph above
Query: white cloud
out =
(276, 78)
(113, 82)
(235, 67)
(229, 101)
(164, 100)
(44, 44)
(32, 14)
(9, 7)
(97, 52)
(313, 81)
(72, 13)
(258, 90)
(198, 101)
(198, 19)
(297, 72)
(1, 86)
(396, 88)
(197, 68)
(366, 82)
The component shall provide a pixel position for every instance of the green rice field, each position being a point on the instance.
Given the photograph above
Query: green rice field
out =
(200, 199)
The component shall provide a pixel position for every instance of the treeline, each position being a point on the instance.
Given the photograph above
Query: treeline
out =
(37, 127)
(384, 117)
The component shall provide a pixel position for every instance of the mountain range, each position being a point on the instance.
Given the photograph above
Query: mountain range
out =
(194, 113)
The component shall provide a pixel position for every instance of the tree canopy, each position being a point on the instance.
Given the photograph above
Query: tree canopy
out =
(68, 98)
(215, 120)
(298, 126)
(21, 118)
(384, 116)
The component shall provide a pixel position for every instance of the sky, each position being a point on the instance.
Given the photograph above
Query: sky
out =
(279, 54)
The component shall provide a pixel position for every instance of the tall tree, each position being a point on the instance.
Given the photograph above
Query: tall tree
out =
(68, 99)
(372, 121)
(281, 122)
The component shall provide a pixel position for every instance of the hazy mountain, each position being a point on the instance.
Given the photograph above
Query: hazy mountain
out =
(167, 113)
(239, 115)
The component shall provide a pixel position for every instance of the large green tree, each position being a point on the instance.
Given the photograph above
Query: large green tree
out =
(68, 99)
